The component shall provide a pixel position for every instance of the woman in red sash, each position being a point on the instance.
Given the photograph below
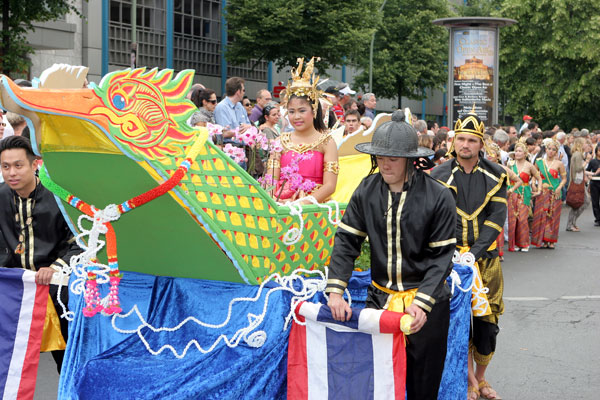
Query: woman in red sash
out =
(493, 154)
(546, 215)
(519, 201)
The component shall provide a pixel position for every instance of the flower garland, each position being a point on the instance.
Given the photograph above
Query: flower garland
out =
(86, 265)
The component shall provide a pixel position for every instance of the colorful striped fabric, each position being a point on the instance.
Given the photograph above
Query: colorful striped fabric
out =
(21, 324)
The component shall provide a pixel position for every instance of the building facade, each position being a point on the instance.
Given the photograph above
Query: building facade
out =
(178, 34)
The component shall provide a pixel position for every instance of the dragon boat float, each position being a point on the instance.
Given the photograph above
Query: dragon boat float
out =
(109, 142)
(123, 146)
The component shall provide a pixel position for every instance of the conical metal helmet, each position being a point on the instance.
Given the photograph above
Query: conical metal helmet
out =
(395, 138)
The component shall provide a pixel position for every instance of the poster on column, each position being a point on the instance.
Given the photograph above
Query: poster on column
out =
(473, 59)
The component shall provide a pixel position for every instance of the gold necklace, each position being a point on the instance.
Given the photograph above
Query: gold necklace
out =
(286, 142)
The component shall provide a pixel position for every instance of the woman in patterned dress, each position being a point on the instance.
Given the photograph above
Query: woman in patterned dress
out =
(519, 201)
(546, 215)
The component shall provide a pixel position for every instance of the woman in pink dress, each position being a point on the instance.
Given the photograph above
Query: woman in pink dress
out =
(308, 162)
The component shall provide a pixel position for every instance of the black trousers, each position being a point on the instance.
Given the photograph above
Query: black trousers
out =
(595, 195)
(425, 350)
(58, 355)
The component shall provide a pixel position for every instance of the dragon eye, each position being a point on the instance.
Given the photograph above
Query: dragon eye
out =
(119, 102)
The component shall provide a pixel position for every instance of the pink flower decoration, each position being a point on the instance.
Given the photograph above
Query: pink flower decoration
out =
(266, 180)
(236, 153)
(214, 129)
(290, 174)
(276, 145)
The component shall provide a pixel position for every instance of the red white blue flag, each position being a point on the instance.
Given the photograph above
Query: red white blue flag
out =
(363, 358)
(22, 314)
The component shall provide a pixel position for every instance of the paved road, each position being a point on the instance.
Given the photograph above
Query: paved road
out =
(549, 343)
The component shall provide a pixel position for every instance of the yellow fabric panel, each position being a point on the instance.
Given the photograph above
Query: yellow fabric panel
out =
(52, 338)
(352, 171)
(398, 302)
(73, 135)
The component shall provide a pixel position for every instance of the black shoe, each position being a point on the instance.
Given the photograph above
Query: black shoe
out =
(596, 223)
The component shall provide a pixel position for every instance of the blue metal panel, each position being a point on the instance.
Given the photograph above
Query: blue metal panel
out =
(223, 47)
(270, 76)
(170, 7)
(105, 20)
(444, 111)
(423, 105)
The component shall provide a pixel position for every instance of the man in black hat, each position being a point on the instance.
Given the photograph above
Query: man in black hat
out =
(480, 189)
(409, 219)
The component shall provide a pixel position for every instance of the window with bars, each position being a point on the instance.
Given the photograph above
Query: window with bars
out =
(150, 32)
(196, 37)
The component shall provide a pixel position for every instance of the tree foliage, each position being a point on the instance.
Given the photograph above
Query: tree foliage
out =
(281, 31)
(17, 19)
(549, 61)
(479, 8)
(409, 51)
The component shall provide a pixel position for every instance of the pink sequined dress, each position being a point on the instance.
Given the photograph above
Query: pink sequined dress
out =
(310, 169)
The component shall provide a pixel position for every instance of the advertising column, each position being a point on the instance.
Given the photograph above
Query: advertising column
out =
(473, 66)
(474, 70)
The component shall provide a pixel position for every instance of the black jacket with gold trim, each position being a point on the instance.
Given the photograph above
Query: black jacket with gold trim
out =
(411, 236)
(480, 203)
(47, 239)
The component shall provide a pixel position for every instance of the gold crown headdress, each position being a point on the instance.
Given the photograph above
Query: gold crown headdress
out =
(305, 83)
(471, 125)
(493, 150)
(523, 146)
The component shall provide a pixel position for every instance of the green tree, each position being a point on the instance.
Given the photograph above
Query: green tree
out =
(409, 51)
(17, 19)
(281, 31)
(479, 8)
(549, 61)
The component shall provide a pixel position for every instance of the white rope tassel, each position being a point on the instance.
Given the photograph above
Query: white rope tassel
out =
(467, 259)
(293, 235)
(81, 263)
(250, 334)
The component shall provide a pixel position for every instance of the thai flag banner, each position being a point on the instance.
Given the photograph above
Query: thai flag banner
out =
(363, 358)
(22, 314)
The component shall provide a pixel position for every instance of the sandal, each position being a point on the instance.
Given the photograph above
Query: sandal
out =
(575, 229)
(473, 393)
(490, 392)
(551, 246)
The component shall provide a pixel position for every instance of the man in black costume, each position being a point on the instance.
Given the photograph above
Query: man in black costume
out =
(409, 219)
(480, 189)
(33, 232)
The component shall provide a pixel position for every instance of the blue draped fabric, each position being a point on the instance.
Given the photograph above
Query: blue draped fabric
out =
(454, 379)
(357, 286)
(101, 363)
